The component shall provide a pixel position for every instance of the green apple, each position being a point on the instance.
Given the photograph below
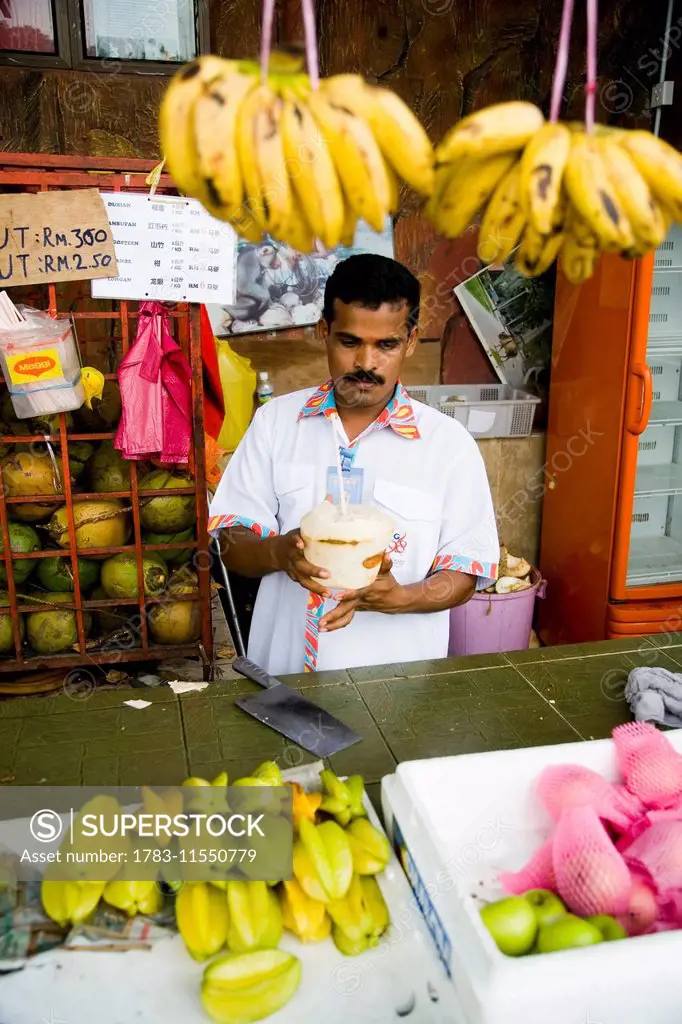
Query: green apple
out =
(545, 903)
(567, 932)
(512, 924)
(610, 929)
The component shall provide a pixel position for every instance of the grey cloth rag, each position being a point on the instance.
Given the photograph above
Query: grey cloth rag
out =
(655, 695)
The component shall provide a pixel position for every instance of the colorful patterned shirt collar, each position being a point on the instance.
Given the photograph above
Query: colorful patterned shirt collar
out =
(398, 414)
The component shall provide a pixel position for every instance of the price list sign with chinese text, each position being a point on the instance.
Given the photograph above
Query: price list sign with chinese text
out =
(168, 249)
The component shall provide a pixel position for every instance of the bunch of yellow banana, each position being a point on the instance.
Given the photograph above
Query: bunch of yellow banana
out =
(280, 158)
(548, 190)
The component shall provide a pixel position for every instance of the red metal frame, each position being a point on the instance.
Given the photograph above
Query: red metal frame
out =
(40, 172)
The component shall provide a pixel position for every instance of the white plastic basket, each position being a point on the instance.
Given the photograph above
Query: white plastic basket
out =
(486, 410)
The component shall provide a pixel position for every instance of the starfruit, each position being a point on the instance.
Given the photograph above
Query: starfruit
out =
(305, 805)
(273, 856)
(360, 918)
(209, 798)
(202, 918)
(342, 799)
(270, 773)
(323, 863)
(133, 897)
(249, 987)
(69, 902)
(306, 918)
(169, 804)
(266, 776)
(376, 905)
(255, 917)
(82, 853)
(370, 848)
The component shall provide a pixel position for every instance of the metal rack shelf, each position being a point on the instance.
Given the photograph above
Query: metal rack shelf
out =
(40, 173)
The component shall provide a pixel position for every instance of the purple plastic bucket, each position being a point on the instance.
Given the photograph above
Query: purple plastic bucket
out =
(494, 623)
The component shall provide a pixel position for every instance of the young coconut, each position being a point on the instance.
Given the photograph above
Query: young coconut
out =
(6, 634)
(119, 575)
(53, 630)
(29, 473)
(99, 524)
(177, 622)
(510, 585)
(109, 471)
(162, 514)
(22, 539)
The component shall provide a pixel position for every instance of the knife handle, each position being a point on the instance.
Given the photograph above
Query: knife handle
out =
(254, 672)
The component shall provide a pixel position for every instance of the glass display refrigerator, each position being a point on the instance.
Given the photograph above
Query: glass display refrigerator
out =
(611, 546)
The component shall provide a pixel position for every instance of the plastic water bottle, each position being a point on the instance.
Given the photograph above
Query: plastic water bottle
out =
(265, 390)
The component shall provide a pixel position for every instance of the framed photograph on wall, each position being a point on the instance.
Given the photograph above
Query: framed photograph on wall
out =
(279, 288)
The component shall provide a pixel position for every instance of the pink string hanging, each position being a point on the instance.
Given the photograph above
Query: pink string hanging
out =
(268, 18)
(311, 52)
(561, 64)
(591, 86)
(311, 55)
(561, 61)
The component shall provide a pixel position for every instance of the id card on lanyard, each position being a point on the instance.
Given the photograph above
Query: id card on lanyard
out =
(352, 476)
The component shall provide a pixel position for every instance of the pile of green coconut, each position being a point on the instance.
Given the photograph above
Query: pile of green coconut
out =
(96, 468)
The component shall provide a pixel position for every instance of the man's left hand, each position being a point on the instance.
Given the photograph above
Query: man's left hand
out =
(384, 595)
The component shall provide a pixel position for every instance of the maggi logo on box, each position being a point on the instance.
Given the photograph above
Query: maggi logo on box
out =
(34, 366)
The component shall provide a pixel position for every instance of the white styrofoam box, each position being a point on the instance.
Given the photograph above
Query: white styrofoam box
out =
(665, 311)
(669, 253)
(655, 446)
(457, 822)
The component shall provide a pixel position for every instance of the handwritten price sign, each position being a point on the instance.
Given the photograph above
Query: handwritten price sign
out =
(54, 236)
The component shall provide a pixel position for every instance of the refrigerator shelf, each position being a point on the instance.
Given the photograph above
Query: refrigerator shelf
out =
(665, 479)
(654, 560)
(666, 413)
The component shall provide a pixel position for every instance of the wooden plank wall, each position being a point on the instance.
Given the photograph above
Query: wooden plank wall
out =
(444, 57)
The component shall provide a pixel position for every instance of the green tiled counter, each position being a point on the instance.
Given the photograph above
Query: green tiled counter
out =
(415, 710)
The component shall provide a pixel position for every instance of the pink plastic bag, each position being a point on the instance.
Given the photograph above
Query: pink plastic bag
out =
(156, 393)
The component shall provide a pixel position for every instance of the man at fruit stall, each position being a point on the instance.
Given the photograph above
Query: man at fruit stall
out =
(419, 466)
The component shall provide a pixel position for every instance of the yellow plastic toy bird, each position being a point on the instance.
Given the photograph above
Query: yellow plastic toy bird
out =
(93, 384)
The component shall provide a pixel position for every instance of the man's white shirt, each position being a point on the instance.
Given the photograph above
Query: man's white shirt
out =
(421, 467)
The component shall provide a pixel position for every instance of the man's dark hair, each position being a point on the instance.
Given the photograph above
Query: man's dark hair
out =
(369, 280)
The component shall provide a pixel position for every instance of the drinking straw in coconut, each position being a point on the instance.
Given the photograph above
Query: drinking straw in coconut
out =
(343, 500)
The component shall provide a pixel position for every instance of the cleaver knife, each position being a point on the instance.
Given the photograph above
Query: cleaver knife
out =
(286, 711)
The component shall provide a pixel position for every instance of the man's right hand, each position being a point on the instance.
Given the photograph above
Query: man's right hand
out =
(292, 561)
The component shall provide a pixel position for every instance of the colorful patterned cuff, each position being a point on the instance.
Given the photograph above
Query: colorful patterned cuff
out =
(311, 632)
(460, 563)
(216, 523)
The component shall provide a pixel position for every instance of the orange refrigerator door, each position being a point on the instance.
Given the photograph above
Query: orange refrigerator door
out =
(647, 554)
(591, 365)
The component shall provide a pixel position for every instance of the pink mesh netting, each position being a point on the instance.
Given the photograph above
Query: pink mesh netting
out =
(591, 875)
(658, 854)
(537, 874)
(571, 785)
(652, 769)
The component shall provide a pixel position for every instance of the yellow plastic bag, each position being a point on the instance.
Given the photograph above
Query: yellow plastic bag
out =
(238, 381)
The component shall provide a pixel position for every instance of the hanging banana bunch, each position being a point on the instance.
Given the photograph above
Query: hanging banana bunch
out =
(283, 154)
(545, 189)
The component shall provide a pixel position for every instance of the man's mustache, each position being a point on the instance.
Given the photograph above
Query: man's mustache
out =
(363, 377)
